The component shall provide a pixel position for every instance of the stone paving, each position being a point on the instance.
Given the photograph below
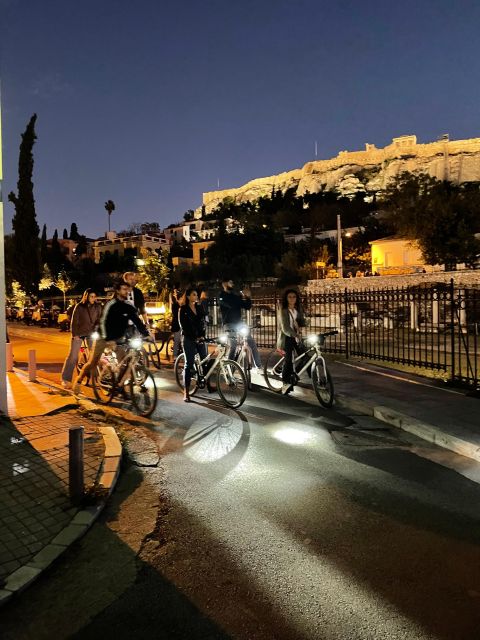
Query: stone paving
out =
(34, 502)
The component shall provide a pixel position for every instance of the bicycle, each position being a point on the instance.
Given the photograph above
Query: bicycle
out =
(84, 354)
(230, 378)
(129, 376)
(243, 353)
(313, 362)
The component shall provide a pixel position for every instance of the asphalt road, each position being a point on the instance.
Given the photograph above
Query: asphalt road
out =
(281, 520)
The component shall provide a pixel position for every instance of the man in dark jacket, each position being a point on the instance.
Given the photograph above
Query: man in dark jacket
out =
(135, 297)
(231, 305)
(114, 321)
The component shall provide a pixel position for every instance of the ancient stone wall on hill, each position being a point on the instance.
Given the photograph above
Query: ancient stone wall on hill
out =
(455, 160)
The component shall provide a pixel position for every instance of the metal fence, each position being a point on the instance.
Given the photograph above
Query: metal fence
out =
(429, 326)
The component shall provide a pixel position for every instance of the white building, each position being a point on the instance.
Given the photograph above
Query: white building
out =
(132, 244)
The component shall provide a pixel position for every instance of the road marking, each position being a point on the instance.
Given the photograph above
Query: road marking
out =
(390, 375)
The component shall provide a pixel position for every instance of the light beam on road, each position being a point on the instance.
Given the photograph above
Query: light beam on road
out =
(3, 357)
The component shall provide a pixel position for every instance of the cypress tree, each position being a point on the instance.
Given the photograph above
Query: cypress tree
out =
(27, 268)
(74, 235)
(43, 245)
(55, 261)
(65, 234)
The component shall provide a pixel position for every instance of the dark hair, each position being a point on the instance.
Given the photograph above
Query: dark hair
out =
(86, 293)
(284, 302)
(119, 283)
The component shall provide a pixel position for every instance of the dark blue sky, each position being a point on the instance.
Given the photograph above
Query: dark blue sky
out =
(148, 102)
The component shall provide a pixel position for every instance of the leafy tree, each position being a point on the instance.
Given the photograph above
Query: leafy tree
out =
(18, 297)
(65, 284)
(25, 227)
(74, 235)
(47, 280)
(440, 217)
(153, 274)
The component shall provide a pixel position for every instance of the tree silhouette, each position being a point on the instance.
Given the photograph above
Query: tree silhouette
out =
(109, 206)
(25, 228)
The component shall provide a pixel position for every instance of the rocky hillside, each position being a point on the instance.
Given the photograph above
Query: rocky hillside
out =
(369, 170)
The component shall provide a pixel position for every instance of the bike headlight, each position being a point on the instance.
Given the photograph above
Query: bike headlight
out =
(136, 343)
(95, 335)
(223, 339)
(312, 339)
(244, 331)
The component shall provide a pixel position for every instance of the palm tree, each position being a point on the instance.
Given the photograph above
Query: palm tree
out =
(109, 206)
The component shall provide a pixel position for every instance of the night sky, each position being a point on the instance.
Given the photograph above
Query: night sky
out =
(149, 102)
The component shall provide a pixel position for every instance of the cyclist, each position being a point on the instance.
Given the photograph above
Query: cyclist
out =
(192, 323)
(231, 305)
(175, 299)
(135, 297)
(113, 327)
(85, 318)
(290, 319)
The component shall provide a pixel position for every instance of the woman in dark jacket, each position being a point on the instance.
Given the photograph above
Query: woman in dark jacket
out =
(192, 322)
(290, 320)
(85, 318)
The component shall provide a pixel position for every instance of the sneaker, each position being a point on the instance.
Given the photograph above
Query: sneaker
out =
(66, 384)
(286, 388)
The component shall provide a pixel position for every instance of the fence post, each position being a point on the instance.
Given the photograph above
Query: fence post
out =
(413, 315)
(9, 352)
(75, 464)
(452, 327)
(32, 365)
(346, 324)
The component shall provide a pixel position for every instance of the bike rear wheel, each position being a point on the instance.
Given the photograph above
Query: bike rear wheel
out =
(323, 385)
(231, 383)
(143, 392)
(272, 370)
(178, 368)
(103, 383)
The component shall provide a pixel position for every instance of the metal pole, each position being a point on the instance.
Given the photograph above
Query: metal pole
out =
(75, 464)
(32, 365)
(9, 356)
(339, 247)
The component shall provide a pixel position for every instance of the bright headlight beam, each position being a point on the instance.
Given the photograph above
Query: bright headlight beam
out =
(292, 436)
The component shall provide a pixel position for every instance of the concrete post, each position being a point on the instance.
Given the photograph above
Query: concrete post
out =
(435, 315)
(413, 315)
(9, 356)
(75, 464)
(3, 332)
(32, 365)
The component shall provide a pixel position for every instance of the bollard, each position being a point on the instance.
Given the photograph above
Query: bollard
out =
(75, 464)
(9, 352)
(32, 365)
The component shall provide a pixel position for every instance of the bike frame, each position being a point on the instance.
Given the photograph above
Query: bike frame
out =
(314, 359)
(219, 354)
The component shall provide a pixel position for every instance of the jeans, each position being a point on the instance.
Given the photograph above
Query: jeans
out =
(72, 359)
(190, 348)
(177, 343)
(232, 329)
(290, 349)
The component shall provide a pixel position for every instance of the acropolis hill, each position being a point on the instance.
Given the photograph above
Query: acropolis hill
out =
(455, 160)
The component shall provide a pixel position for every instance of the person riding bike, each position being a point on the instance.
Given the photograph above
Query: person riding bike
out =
(291, 319)
(231, 305)
(192, 323)
(113, 327)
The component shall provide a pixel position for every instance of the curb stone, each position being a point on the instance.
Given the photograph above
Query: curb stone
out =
(20, 579)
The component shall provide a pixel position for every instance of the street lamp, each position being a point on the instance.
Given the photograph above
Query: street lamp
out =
(339, 247)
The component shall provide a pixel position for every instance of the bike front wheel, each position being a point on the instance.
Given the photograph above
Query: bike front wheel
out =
(103, 383)
(178, 368)
(231, 383)
(153, 354)
(272, 371)
(143, 393)
(323, 385)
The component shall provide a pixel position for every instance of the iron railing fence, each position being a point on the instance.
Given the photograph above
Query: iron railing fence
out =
(429, 326)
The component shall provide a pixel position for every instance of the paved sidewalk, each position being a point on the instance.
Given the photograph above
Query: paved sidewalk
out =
(37, 519)
(447, 417)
